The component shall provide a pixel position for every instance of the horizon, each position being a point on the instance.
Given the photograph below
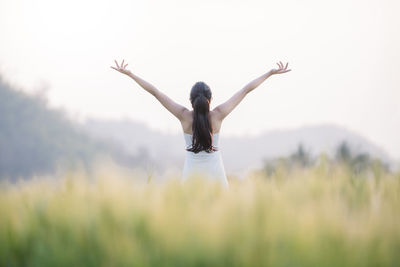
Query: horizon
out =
(379, 151)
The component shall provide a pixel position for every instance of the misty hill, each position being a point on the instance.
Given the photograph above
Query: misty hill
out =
(239, 153)
(35, 139)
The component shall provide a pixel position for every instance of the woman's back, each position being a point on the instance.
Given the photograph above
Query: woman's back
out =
(187, 122)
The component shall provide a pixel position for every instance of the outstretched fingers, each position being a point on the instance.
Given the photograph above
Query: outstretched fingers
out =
(286, 69)
(283, 68)
(121, 67)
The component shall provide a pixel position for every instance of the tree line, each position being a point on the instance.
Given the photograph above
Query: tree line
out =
(356, 162)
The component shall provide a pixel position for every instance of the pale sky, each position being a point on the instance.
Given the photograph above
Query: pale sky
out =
(344, 56)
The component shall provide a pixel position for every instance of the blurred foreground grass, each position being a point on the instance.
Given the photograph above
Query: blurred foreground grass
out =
(310, 217)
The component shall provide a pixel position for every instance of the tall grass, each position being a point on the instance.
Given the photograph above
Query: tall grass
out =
(312, 217)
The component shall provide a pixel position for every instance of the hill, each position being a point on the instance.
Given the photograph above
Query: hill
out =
(240, 153)
(35, 139)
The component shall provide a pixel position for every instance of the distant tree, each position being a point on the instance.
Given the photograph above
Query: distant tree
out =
(301, 157)
(357, 162)
(343, 153)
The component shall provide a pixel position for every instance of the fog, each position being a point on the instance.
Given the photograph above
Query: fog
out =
(343, 54)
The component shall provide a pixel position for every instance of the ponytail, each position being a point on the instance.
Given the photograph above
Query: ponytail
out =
(202, 131)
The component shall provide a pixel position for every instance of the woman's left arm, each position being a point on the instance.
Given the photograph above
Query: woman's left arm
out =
(177, 110)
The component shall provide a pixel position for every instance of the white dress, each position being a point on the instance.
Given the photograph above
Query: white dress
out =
(208, 165)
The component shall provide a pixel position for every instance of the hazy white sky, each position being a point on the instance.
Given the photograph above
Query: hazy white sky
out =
(344, 56)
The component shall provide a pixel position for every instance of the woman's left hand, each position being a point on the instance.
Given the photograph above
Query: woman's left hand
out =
(121, 68)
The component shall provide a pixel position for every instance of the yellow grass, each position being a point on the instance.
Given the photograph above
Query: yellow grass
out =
(314, 217)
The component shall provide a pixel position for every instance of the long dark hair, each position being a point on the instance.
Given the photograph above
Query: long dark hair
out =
(200, 96)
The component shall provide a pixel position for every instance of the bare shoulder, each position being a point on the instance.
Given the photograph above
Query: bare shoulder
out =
(217, 113)
(215, 121)
(187, 121)
(213, 115)
(187, 116)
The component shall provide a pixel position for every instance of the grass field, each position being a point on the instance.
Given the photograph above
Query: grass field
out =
(309, 217)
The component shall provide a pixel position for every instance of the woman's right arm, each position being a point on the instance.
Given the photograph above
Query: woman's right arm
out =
(224, 109)
(177, 110)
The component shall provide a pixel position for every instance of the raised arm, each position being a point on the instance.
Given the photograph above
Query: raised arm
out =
(173, 107)
(224, 109)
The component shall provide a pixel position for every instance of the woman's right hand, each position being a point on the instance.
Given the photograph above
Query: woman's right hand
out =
(282, 69)
(121, 68)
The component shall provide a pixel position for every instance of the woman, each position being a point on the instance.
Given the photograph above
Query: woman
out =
(201, 126)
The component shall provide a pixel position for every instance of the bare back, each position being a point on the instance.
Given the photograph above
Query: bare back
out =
(187, 122)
